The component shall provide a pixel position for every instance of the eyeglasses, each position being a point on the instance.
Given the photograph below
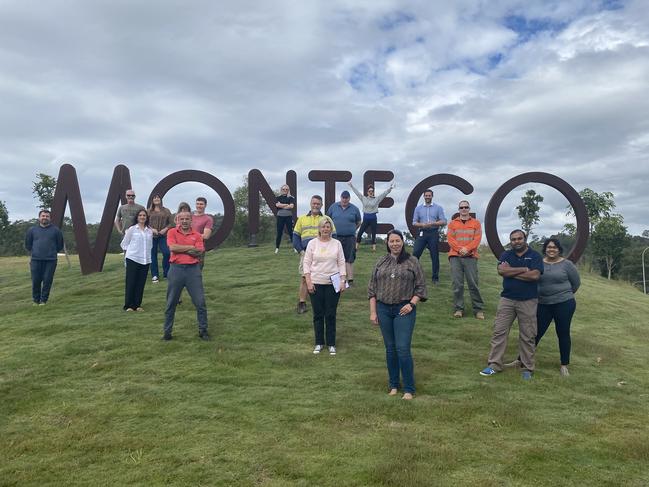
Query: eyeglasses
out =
(464, 207)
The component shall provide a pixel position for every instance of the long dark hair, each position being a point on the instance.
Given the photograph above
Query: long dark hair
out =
(404, 255)
(153, 205)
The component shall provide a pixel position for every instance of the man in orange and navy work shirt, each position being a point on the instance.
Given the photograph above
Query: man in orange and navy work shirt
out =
(186, 246)
(464, 234)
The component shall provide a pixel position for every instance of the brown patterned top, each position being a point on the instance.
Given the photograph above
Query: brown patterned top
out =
(393, 283)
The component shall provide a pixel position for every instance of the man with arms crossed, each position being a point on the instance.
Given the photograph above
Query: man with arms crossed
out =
(347, 219)
(428, 218)
(463, 236)
(43, 242)
(521, 268)
(126, 213)
(306, 229)
(186, 246)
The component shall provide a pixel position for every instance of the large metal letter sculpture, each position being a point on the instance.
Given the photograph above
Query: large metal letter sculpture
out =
(435, 180)
(370, 177)
(557, 183)
(330, 178)
(188, 175)
(257, 184)
(67, 191)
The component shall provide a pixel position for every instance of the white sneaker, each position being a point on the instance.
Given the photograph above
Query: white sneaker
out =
(332, 350)
(155, 279)
(277, 251)
(318, 348)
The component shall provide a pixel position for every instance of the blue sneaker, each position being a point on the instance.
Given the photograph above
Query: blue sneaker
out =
(487, 371)
(526, 375)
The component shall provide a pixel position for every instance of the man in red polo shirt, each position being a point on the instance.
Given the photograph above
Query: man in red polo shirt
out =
(186, 246)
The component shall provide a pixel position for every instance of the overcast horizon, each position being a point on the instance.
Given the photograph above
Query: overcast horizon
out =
(482, 91)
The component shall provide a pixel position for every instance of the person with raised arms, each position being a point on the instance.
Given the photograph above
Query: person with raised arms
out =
(370, 211)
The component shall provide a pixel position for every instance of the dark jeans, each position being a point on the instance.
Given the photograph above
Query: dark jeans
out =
(42, 276)
(397, 336)
(561, 313)
(135, 281)
(325, 303)
(429, 239)
(185, 276)
(282, 223)
(160, 243)
(364, 226)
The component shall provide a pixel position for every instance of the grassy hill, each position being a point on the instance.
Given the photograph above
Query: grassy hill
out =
(90, 395)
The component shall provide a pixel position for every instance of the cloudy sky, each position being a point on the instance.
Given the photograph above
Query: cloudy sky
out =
(482, 89)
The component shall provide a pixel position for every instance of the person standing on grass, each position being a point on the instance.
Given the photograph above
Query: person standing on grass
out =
(137, 244)
(396, 286)
(324, 258)
(186, 246)
(557, 287)
(464, 236)
(306, 229)
(126, 213)
(428, 219)
(43, 242)
(521, 268)
(285, 204)
(202, 223)
(370, 211)
(160, 221)
(346, 218)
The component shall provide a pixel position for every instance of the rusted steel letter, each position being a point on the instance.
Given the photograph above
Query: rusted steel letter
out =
(330, 178)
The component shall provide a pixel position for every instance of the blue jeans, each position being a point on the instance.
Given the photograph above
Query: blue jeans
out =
(160, 243)
(42, 277)
(428, 239)
(397, 336)
(191, 277)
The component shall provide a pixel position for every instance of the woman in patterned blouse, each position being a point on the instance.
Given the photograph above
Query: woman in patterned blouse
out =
(396, 286)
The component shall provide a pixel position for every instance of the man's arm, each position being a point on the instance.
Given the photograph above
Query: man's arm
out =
(118, 222)
(530, 276)
(59, 241)
(505, 270)
(29, 240)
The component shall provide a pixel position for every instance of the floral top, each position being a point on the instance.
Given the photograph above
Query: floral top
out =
(393, 283)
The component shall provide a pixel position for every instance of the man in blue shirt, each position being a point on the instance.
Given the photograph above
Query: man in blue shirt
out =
(428, 218)
(43, 241)
(347, 219)
(521, 268)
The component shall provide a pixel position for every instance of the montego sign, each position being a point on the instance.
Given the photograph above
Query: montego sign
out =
(92, 258)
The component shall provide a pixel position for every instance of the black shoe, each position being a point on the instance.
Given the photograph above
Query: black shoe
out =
(204, 336)
(435, 282)
(350, 282)
(301, 308)
(167, 336)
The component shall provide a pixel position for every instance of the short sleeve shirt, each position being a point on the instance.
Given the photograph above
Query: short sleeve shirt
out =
(515, 288)
(201, 222)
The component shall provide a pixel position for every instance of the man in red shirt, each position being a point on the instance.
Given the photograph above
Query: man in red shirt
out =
(186, 246)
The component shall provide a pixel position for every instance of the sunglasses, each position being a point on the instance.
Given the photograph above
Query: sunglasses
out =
(464, 207)
(130, 196)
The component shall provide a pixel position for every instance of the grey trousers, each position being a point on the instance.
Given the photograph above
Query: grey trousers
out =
(508, 311)
(185, 276)
(462, 267)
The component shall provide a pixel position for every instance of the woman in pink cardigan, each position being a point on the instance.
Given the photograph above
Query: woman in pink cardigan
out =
(324, 264)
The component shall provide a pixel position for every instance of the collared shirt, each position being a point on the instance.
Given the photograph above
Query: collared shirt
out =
(393, 283)
(306, 228)
(464, 233)
(517, 289)
(137, 243)
(427, 214)
(175, 236)
(345, 219)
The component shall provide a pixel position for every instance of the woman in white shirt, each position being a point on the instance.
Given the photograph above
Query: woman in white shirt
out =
(137, 243)
(323, 259)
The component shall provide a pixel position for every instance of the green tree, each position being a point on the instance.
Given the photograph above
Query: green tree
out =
(528, 210)
(43, 189)
(609, 239)
(4, 216)
(598, 206)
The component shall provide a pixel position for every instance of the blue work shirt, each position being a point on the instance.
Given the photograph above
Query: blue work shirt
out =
(515, 288)
(346, 220)
(427, 214)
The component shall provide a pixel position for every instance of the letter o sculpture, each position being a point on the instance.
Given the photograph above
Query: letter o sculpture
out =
(577, 204)
(192, 175)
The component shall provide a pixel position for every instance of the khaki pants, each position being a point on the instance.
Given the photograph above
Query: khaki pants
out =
(461, 268)
(508, 311)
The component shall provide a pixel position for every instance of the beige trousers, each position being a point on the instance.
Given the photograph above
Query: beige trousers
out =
(508, 311)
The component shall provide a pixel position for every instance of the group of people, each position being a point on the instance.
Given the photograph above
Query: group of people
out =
(536, 289)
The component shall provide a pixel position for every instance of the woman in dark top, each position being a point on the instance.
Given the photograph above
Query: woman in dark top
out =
(396, 286)
(285, 204)
(160, 221)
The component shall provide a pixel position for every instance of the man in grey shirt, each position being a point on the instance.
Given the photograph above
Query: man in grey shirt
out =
(126, 213)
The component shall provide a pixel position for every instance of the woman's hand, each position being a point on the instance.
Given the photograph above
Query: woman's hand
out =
(310, 287)
(406, 309)
(374, 318)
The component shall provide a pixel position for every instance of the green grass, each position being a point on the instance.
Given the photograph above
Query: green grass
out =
(90, 395)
